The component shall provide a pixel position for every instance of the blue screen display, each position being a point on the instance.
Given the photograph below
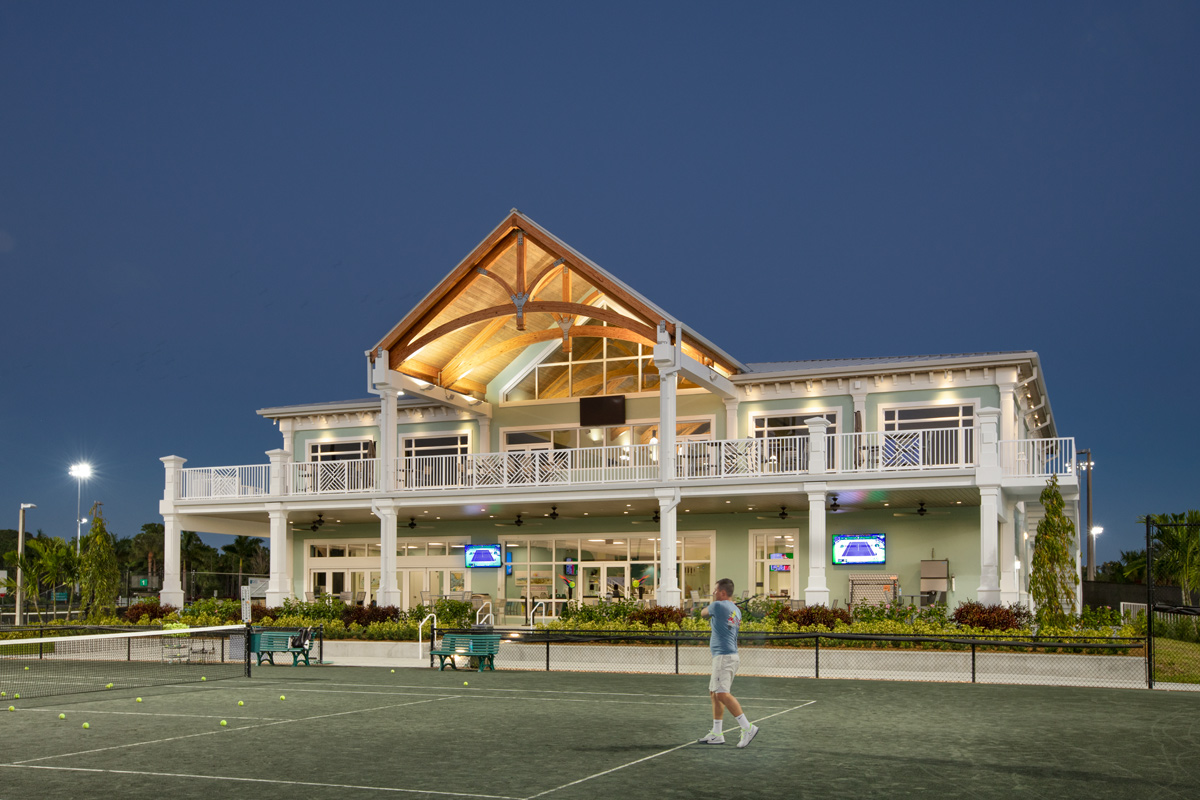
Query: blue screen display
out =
(483, 555)
(859, 548)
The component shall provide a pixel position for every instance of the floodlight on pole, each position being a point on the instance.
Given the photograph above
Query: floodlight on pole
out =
(20, 553)
(80, 472)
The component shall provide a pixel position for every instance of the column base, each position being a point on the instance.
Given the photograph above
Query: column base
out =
(277, 598)
(669, 597)
(388, 597)
(989, 597)
(171, 597)
(816, 597)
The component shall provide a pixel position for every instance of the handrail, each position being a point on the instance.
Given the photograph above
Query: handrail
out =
(431, 632)
(491, 619)
(533, 612)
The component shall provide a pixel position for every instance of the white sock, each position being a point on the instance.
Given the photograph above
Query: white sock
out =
(717, 723)
(741, 720)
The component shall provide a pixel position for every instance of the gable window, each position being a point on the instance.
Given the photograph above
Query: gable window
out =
(454, 444)
(928, 436)
(341, 450)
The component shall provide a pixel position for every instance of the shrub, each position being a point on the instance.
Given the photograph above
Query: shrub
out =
(658, 615)
(974, 614)
(327, 611)
(618, 611)
(151, 611)
(894, 612)
(817, 615)
(366, 615)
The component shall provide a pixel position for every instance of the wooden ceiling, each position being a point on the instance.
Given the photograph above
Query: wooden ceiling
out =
(519, 288)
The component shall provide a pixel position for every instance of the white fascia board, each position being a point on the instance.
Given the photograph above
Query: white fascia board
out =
(338, 407)
(438, 395)
(709, 378)
(968, 362)
(233, 527)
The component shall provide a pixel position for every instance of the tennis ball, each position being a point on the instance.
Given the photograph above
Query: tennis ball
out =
(240, 703)
(27, 669)
(203, 678)
(281, 697)
(12, 708)
(62, 716)
(86, 726)
(223, 723)
(139, 700)
(3, 694)
(393, 672)
(17, 696)
(464, 683)
(108, 686)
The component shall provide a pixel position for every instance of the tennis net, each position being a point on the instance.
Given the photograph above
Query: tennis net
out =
(57, 665)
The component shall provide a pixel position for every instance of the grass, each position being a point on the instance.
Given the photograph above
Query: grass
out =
(1176, 661)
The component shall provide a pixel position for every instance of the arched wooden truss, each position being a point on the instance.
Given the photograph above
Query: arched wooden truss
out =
(510, 301)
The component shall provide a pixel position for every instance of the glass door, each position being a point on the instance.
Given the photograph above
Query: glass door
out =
(603, 581)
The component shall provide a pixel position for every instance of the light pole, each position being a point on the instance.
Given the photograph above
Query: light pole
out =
(1087, 465)
(20, 559)
(80, 472)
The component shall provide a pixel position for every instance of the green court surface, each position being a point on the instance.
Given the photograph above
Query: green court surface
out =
(357, 732)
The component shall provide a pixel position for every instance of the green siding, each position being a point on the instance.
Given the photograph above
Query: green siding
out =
(302, 438)
(844, 404)
(984, 396)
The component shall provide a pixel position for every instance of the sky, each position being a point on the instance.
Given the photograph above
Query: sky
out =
(206, 209)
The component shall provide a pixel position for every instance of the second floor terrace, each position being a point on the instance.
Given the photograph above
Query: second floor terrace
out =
(876, 453)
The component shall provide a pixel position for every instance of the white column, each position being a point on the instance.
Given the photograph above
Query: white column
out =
(1008, 413)
(817, 592)
(731, 418)
(484, 445)
(280, 461)
(668, 559)
(794, 582)
(1009, 554)
(172, 588)
(666, 359)
(389, 592)
(286, 428)
(279, 585)
(386, 451)
(989, 576)
(818, 432)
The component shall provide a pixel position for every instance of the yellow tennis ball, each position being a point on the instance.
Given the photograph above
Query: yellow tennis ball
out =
(108, 686)
(12, 708)
(62, 716)
(393, 672)
(240, 703)
(17, 696)
(3, 694)
(223, 723)
(139, 700)
(281, 697)
(203, 678)
(27, 668)
(86, 726)
(464, 683)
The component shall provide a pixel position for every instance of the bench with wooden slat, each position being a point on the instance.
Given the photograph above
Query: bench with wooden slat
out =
(482, 646)
(268, 643)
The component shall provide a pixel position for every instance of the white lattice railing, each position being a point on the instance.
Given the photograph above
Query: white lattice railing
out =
(210, 482)
(889, 451)
(736, 458)
(1037, 458)
(332, 477)
(529, 468)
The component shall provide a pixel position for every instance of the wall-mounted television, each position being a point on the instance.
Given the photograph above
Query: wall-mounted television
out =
(859, 548)
(600, 412)
(781, 565)
(483, 555)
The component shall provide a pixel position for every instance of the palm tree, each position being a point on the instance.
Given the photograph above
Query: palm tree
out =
(191, 551)
(1177, 551)
(59, 565)
(31, 570)
(243, 549)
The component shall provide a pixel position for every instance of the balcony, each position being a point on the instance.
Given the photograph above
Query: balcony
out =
(880, 453)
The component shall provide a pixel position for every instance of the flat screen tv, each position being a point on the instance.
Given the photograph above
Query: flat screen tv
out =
(600, 412)
(781, 565)
(483, 555)
(859, 548)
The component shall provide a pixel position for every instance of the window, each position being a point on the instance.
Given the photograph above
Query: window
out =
(791, 454)
(928, 436)
(341, 450)
(435, 461)
(773, 563)
(570, 438)
(454, 444)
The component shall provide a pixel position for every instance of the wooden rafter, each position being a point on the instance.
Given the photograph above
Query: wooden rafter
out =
(397, 357)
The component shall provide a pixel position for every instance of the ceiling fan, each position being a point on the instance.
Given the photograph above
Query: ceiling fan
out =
(835, 507)
(920, 512)
(412, 524)
(656, 519)
(518, 522)
(783, 514)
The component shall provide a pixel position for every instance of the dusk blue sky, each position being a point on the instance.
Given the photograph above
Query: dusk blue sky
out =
(207, 209)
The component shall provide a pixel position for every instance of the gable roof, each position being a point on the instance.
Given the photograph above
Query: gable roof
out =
(521, 286)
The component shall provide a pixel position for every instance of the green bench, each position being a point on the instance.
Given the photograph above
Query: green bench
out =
(481, 646)
(268, 643)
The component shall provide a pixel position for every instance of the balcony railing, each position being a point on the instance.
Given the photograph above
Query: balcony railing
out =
(1037, 458)
(845, 453)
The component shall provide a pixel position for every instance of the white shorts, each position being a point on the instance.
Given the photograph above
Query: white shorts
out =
(723, 670)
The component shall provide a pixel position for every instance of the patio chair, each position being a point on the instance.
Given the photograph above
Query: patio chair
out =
(359, 597)
(310, 597)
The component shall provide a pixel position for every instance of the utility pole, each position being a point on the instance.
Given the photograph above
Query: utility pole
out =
(20, 557)
(1087, 464)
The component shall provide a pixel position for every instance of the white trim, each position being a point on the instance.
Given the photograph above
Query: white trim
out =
(751, 535)
(973, 402)
(401, 437)
(795, 412)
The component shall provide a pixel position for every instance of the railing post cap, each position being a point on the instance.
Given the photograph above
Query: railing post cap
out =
(171, 461)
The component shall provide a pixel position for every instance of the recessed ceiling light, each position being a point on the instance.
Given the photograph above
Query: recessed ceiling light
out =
(629, 505)
(624, 512)
(337, 520)
(885, 505)
(595, 540)
(585, 513)
(491, 516)
(958, 502)
(686, 510)
(728, 501)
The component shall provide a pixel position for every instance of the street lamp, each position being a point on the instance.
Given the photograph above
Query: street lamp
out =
(1087, 465)
(20, 553)
(80, 472)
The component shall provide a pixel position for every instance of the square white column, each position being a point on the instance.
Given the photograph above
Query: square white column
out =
(668, 593)
(279, 584)
(817, 591)
(389, 593)
(989, 536)
(172, 588)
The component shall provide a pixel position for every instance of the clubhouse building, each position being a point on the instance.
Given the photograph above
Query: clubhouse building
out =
(537, 432)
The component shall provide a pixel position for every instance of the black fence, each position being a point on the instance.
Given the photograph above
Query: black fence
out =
(1173, 643)
(1118, 663)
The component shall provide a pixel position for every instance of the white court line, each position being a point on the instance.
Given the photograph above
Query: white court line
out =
(692, 696)
(148, 714)
(262, 780)
(481, 696)
(220, 731)
(655, 755)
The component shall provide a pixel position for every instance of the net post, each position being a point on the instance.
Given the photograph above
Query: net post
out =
(972, 662)
(321, 643)
(1149, 606)
(547, 651)
(246, 648)
(677, 652)
(817, 659)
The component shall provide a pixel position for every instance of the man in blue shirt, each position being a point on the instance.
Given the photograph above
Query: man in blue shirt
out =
(726, 619)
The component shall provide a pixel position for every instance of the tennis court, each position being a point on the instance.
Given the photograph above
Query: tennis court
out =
(370, 732)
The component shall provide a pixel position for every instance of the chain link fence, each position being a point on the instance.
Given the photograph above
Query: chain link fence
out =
(1116, 663)
(1173, 644)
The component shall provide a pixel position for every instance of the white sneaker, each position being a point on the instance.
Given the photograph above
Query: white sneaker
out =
(711, 738)
(747, 735)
